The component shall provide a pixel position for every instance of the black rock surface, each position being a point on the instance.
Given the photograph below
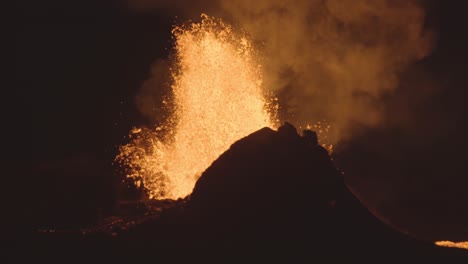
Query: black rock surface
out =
(273, 196)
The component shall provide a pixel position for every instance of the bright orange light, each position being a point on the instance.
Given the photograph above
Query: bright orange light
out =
(447, 243)
(218, 99)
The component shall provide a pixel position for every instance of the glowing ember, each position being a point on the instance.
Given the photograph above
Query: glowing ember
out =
(323, 130)
(446, 243)
(218, 99)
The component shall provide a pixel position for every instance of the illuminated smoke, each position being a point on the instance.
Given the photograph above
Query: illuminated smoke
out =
(331, 60)
(334, 60)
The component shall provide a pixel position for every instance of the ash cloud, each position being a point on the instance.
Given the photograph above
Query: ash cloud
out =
(334, 60)
(151, 99)
(325, 60)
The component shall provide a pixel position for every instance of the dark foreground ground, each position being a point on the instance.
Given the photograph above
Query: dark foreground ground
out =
(273, 196)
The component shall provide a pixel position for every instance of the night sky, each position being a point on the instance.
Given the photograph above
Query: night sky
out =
(79, 65)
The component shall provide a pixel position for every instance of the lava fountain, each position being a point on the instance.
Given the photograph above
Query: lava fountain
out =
(217, 98)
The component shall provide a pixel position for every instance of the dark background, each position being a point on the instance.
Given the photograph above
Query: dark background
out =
(79, 65)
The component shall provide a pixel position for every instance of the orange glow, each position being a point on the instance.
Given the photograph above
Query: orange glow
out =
(218, 99)
(447, 243)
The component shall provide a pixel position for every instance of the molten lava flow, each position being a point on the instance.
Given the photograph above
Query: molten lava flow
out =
(463, 245)
(218, 99)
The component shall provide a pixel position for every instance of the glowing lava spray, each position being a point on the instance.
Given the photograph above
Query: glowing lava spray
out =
(217, 97)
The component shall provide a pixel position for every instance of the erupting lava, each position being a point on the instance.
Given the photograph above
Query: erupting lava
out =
(218, 99)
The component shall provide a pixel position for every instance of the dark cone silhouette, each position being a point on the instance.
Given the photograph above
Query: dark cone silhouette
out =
(274, 195)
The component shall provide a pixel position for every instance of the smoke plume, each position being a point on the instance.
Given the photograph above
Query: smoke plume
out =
(326, 60)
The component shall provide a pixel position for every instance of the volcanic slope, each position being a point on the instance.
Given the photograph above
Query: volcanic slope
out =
(272, 196)
(277, 194)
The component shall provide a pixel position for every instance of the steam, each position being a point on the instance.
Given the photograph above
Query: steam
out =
(326, 59)
(149, 99)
